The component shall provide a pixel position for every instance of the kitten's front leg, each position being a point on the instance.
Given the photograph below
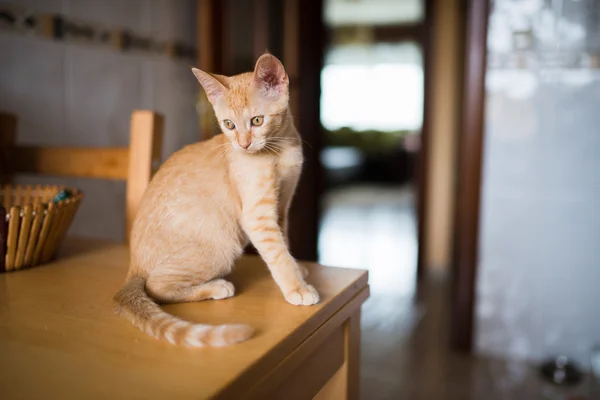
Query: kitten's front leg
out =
(260, 223)
(287, 190)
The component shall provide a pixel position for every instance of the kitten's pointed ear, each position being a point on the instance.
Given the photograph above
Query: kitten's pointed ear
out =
(270, 76)
(213, 87)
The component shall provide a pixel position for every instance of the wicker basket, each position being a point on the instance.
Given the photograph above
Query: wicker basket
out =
(37, 219)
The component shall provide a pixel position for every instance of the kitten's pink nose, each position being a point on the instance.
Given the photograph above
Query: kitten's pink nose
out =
(245, 145)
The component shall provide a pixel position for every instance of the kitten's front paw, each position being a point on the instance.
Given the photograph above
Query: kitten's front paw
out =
(304, 296)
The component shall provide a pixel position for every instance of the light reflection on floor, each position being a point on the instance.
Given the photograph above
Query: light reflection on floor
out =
(373, 228)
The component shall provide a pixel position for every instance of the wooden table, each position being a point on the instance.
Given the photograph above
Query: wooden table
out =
(59, 337)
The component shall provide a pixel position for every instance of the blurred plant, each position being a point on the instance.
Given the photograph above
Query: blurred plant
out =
(369, 141)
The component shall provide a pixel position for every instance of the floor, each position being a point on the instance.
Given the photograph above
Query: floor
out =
(405, 352)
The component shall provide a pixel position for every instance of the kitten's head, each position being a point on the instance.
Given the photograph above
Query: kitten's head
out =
(250, 107)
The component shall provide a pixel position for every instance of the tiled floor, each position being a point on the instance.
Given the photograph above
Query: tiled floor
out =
(405, 353)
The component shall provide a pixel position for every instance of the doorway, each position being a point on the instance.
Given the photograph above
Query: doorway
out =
(372, 101)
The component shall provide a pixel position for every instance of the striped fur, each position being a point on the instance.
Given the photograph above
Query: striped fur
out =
(208, 201)
(146, 315)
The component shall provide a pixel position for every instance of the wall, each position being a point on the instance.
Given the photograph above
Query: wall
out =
(539, 270)
(444, 114)
(81, 95)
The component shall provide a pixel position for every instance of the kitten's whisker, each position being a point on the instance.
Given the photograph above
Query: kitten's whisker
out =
(223, 151)
(283, 139)
(268, 149)
(271, 149)
(277, 147)
(275, 144)
(220, 150)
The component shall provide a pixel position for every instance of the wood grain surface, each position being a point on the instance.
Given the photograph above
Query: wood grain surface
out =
(59, 337)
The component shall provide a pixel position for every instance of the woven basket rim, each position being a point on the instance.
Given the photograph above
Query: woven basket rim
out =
(77, 195)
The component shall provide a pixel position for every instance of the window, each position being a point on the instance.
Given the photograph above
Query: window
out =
(375, 86)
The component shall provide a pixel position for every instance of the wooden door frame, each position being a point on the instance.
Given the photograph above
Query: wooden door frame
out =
(210, 42)
(422, 177)
(210, 35)
(305, 214)
(467, 205)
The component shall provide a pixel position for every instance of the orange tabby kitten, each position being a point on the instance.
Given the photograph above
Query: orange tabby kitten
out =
(209, 200)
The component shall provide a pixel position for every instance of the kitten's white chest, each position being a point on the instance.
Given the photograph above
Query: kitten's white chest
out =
(250, 172)
(289, 163)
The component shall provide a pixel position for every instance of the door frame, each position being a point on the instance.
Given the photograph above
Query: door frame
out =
(308, 55)
(422, 176)
(467, 205)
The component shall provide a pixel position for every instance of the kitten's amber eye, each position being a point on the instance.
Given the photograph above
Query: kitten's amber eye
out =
(229, 124)
(257, 121)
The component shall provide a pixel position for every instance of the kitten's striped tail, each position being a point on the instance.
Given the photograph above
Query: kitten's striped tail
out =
(133, 302)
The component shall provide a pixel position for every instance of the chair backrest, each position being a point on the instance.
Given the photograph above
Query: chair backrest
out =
(134, 164)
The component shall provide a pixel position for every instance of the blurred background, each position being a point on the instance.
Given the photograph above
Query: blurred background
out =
(452, 149)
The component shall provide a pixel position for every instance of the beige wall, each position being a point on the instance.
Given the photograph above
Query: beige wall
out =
(81, 95)
(447, 54)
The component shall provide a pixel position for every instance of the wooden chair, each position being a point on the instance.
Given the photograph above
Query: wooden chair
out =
(134, 164)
